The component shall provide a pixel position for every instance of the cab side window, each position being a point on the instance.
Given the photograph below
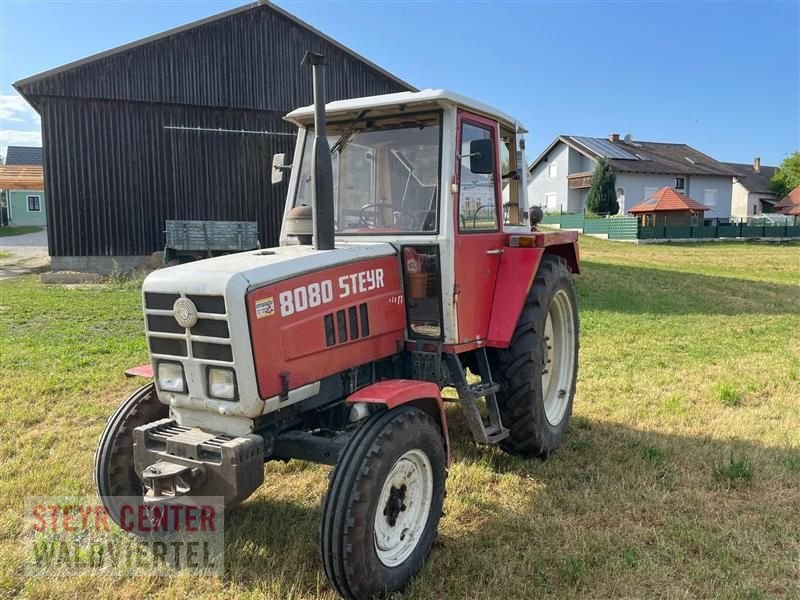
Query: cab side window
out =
(477, 202)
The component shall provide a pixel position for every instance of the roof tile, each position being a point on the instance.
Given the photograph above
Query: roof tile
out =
(667, 199)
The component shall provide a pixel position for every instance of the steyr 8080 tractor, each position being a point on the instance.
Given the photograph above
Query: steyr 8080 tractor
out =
(407, 257)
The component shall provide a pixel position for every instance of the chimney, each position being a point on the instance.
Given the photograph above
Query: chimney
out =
(613, 137)
(757, 164)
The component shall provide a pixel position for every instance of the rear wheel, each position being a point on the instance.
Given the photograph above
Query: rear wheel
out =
(384, 502)
(537, 372)
(114, 473)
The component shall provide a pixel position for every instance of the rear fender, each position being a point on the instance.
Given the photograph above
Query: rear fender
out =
(423, 395)
(518, 266)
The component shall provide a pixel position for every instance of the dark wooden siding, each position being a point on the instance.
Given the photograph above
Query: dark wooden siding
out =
(248, 60)
(114, 172)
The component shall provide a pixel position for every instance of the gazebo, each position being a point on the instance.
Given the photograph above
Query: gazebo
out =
(668, 207)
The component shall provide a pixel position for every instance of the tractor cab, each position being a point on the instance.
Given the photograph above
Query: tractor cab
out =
(439, 176)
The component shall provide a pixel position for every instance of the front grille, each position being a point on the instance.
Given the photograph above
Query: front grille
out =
(209, 304)
(168, 347)
(211, 328)
(209, 338)
(164, 324)
(158, 301)
(221, 352)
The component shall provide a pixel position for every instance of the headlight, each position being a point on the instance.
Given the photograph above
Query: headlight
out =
(221, 383)
(170, 377)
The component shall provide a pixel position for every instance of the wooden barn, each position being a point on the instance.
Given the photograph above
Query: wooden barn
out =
(180, 125)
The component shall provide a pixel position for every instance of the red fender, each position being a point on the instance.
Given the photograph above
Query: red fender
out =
(518, 266)
(140, 371)
(395, 392)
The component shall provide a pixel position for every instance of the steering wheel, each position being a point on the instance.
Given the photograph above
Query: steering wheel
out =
(364, 216)
(477, 210)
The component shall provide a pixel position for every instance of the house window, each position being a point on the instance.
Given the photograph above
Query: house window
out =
(551, 202)
(552, 170)
(34, 204)
(710, 198)
(680, 183)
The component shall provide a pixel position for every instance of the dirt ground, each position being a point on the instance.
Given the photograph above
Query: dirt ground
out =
(23, 254)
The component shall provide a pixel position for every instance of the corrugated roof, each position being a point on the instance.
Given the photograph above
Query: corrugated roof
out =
(752, 181)
(24, 155)
(667, 199)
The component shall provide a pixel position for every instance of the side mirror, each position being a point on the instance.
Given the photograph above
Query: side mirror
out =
(481, 156)
(278, 168)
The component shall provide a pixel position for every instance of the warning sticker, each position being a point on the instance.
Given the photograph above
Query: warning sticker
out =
(265, 308)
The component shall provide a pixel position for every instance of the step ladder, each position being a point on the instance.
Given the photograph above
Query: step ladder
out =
(469, 394)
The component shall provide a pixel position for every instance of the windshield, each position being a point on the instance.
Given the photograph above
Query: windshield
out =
(385, 174)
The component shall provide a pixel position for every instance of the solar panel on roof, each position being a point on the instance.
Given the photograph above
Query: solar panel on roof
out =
(604, 148)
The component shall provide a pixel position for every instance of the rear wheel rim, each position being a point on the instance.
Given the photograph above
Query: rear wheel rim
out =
(403, 508)
(558, 357)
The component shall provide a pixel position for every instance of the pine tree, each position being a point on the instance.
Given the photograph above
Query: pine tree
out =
(602, 198)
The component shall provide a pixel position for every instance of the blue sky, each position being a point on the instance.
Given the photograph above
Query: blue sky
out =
(723, 77)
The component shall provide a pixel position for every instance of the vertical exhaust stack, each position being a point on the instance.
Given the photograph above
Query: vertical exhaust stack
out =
(321, 165)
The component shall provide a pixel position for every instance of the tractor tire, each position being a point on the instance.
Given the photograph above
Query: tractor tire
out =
(384, 502)
(538, 371)
(114, 475)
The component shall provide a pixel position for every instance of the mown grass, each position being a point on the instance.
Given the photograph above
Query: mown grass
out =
(18, 230)
(665, 486)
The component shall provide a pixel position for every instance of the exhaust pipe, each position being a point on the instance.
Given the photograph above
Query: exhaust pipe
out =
(321, 165)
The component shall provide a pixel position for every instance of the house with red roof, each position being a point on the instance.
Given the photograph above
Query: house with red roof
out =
(790, 204)
(669, 207)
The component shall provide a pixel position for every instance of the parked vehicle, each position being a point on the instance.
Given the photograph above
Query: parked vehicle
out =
(395, 275)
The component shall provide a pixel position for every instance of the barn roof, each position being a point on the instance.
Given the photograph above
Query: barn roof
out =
(667, 200)
(120, 68)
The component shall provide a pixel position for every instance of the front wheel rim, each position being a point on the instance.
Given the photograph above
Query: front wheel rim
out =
(558, 357)
(403, 508)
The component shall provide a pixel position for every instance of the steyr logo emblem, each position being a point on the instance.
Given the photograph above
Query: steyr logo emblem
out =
(185, 312)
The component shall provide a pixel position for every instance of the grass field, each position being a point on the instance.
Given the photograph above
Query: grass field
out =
(680, 476)
(19, 230)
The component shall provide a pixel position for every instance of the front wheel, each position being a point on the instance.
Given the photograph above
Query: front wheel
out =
(537, 373)
(384, 502)
(114, 474)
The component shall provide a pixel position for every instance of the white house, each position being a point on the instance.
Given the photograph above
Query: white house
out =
(561, 176)
(751, 193)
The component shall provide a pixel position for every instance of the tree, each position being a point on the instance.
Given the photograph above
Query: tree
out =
(787, 177)
(602, 198)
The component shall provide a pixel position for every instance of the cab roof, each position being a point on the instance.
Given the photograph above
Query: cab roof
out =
(427, 97)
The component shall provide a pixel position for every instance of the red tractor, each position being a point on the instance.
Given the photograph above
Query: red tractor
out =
(407, 258)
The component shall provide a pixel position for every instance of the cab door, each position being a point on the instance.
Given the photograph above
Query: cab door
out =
(479, 238)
